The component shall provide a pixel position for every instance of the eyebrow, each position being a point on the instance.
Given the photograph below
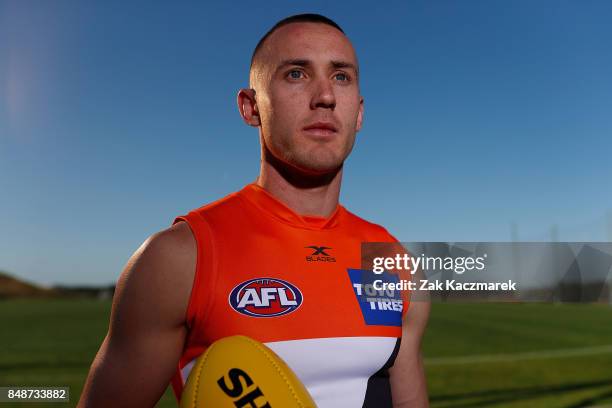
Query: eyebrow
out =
(305, 63)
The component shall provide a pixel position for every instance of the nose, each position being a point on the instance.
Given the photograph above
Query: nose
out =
(323, 96)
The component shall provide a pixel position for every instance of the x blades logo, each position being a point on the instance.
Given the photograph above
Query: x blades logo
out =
(319, 254)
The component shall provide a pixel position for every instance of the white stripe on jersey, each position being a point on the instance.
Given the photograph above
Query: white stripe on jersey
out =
(336, 370)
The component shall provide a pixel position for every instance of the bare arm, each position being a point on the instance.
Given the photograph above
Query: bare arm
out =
(407, 376)
(147, 328)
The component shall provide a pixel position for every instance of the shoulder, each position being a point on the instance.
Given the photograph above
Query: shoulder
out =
(157, 279)
(370, 231)
(171, 254)
(172, 244)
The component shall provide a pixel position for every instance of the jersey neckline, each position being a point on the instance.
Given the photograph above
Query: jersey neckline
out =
(266, 202)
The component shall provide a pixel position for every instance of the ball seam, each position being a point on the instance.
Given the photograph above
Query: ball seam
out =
(275, 365)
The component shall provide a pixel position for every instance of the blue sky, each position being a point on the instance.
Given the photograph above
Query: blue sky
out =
(117, 116)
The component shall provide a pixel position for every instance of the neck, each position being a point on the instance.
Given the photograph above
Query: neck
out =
(304, 193)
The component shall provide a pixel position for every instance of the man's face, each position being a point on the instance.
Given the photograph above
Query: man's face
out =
(307, 95)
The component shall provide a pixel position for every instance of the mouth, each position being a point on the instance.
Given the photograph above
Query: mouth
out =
(321, 129)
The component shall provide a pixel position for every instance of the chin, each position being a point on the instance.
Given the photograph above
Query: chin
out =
(318, 165)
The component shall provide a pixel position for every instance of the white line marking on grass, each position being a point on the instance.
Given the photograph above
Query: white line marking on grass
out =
(528, 355)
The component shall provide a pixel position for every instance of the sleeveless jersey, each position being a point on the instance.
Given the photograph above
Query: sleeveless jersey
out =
(294, 283)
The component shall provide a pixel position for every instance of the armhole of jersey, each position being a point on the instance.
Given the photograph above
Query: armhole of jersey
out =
(406, 304)
(204, 277)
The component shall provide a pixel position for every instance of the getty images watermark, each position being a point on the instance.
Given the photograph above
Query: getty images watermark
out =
(432, 264)
(491, 271)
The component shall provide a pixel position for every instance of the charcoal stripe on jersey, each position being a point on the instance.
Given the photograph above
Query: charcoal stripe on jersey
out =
(378, 393)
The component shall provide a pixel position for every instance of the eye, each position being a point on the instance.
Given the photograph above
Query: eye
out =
(295, 74)
(341, 76)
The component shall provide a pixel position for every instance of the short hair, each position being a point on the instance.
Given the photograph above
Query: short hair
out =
(298, 18)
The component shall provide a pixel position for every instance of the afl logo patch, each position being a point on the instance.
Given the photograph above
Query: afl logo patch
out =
(265, 297)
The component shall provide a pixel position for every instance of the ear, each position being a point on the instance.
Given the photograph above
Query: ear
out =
(248, 107)
(360, 114)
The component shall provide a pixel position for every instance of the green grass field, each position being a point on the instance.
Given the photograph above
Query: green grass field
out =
(477, 355)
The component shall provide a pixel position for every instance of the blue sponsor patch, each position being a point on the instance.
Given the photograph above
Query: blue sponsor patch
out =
(379, 307)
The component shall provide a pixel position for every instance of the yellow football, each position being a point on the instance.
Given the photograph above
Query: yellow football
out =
(238, 371)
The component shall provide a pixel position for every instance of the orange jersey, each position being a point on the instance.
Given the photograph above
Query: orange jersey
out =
(294, 283)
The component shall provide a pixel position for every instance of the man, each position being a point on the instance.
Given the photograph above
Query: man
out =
(276, 261)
